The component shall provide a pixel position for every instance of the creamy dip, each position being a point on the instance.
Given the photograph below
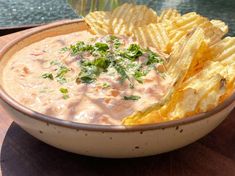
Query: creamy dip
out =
(52, 77)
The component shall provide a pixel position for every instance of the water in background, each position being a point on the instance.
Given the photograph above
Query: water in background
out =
(21, 12)
(24, 12)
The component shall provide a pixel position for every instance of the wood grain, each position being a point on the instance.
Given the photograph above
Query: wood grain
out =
(23, 155)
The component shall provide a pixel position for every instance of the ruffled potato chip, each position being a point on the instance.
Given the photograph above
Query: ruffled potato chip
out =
(126, 18)
(221, 25)
(187, 22)
(213, 98)
(169, 14)
(224, 51)
(199, 92)
(203, 54)
(183, 55)
(99, 22)
(152, 35)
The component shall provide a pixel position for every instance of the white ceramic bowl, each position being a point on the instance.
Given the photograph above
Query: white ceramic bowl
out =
(105, 141)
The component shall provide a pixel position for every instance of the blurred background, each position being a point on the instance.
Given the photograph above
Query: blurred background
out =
(17, 14)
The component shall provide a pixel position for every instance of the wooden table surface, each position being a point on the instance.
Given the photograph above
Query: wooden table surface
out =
(23, 155)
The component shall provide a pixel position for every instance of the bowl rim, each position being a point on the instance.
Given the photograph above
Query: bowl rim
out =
(95, 127)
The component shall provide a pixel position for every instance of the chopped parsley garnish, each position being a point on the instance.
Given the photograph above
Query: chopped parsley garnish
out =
(55, 62)
(105, 85)
(62, 71)
(123, 60)
(108, 56)
(132, 97)
(65, 92)
(61, 80)
(90, 70)
(87, 77)
(153, 58)
(122, 72)
(48, 75)
(101, 63)
(80, 47)
(64, 49)
(138, 75)
(102, 47)
(133, 52)
(113, 40)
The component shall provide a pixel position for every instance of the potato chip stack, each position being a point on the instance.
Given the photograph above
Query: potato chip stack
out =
(200, 61)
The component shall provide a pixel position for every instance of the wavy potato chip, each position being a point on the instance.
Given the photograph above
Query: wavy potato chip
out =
(226, 85)
(200, 92)
(182, 57)
(230, 81)
(203, 54)
(152, 35)
(187, 22)
(128, 17)
(210, 68)
(99, 22)
(213, 34)
(224, 51)
(169, 14)
(215, 71)
(204, 97)
(221, 25)
(176, 35)
(213, 98)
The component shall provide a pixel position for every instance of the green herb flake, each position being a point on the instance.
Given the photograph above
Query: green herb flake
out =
(48, 75)
(66, 96)
(64, 49)
(101, 46)
(88, 73)
(64, 90)
(114, 41)
(105, 85)
(62, 71)
(133, 52)
(102, 63)
(132, 97)
(121, 72)
(61, 80)
(87, 79)
(80, 47)
(139, 76)
(90, 70)
(55, 62)
(153, 58)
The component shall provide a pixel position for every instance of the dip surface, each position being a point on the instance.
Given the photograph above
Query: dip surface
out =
(48, 77)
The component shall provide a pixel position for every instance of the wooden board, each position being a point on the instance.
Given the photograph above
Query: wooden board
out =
(23, 155)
